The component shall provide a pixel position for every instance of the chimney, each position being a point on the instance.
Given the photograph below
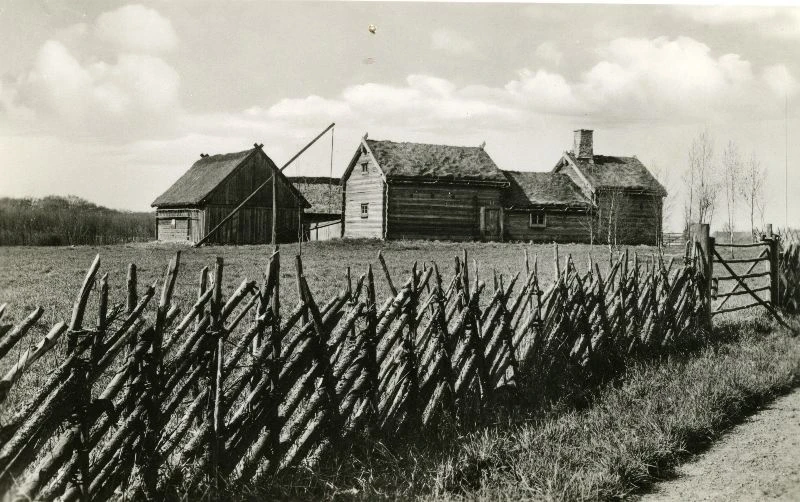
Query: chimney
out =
(583, 144)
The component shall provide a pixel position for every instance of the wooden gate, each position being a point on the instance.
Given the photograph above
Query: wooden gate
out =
(736, 267)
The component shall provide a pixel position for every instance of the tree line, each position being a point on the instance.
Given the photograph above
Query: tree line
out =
(723, 182)
(64, 221)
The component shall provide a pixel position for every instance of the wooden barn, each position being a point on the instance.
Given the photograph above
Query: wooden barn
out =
(322, 220)
(546, 207)
(627, 199)
(396, 190)
(216, 184)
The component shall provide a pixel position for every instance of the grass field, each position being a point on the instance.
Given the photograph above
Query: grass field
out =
(51, 276)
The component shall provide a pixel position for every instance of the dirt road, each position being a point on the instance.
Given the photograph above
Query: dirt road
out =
(757, 460)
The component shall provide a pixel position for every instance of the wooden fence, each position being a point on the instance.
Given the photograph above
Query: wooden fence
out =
(152, 397)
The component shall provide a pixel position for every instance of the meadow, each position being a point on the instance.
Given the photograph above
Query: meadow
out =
(48, 276)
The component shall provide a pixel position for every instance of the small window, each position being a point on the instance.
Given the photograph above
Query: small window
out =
(365, 168)
(538, 220)
(365, 210)
(173, 223)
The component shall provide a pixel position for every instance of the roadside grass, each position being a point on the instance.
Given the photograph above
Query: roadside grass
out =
(605, 443)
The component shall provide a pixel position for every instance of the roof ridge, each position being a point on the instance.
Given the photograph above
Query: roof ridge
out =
(420, 143)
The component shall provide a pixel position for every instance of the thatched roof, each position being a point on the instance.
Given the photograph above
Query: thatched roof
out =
(204, 176)
(323, 193)
(201, 179)
(627, 173)
(435, 162)
(537, 189)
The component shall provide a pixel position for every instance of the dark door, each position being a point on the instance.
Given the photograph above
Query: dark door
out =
(490, 223)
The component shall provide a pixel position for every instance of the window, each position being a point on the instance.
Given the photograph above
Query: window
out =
(365, 210)
(173, 223)
(365, 168)
(538, 220)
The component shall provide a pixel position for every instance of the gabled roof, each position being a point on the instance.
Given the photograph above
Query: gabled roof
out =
(538, 189)
(205, 175)
(627, 173)
(430, 162)
(323, 193)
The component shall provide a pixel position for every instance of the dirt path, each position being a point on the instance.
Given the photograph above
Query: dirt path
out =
(757, 460)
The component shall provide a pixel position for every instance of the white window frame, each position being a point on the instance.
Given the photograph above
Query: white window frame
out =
(531, 223)
(364, 210)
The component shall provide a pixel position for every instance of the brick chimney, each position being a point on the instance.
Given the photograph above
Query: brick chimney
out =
(583, 144)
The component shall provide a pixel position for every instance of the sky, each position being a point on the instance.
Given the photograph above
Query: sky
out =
(113, 101)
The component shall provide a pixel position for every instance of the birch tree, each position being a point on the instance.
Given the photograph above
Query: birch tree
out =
(751, 189)
(701, 181)
(731, 172)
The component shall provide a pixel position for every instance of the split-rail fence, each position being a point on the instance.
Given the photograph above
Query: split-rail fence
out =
(241, 388)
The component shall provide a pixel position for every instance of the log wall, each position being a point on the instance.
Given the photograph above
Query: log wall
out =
(447, 212)
(635, 217)
(561, 226)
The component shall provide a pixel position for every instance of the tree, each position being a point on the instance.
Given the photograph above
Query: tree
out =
(751, 189)
(662, 207)
(731, 171)
(700, 180)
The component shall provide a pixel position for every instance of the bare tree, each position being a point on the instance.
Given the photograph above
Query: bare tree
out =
(700, 180)
(751, 189)
(662, 207)
(731, 172)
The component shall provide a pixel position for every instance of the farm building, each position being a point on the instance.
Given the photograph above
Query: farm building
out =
(422, 191)
(216, 184)
(322, 220)
(627, 199)
(545, 207)
(396, 190)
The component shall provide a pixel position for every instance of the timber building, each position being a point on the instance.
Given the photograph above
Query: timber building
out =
(214, 186)
(396, 190)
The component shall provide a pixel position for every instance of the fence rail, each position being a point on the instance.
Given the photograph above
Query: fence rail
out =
(155, 395)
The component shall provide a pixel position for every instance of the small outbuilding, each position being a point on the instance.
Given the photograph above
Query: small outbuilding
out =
(322, 220)
(217, 184)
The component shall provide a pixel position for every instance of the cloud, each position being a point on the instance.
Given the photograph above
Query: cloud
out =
(127, 93)
(659, 80)
(135, 28)
(549, 51)
(771, 21)
(136, 92)
(452, 42)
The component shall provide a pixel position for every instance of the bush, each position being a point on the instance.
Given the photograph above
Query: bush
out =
(64, 221)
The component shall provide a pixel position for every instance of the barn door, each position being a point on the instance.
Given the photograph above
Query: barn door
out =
(490, 224)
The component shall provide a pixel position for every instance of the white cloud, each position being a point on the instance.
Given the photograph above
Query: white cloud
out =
(635, 79)
(450, 41)
(136, 28)
(137, 92)
(771, 21)
(549, 52)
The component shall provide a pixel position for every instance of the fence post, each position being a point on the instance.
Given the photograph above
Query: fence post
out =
(215, 375)
(700, 236)
(78, 419)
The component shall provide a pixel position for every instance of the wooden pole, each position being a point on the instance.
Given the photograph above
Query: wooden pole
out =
(700, 236)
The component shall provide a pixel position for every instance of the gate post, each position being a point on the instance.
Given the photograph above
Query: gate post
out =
(772, 267)
(700, 235)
